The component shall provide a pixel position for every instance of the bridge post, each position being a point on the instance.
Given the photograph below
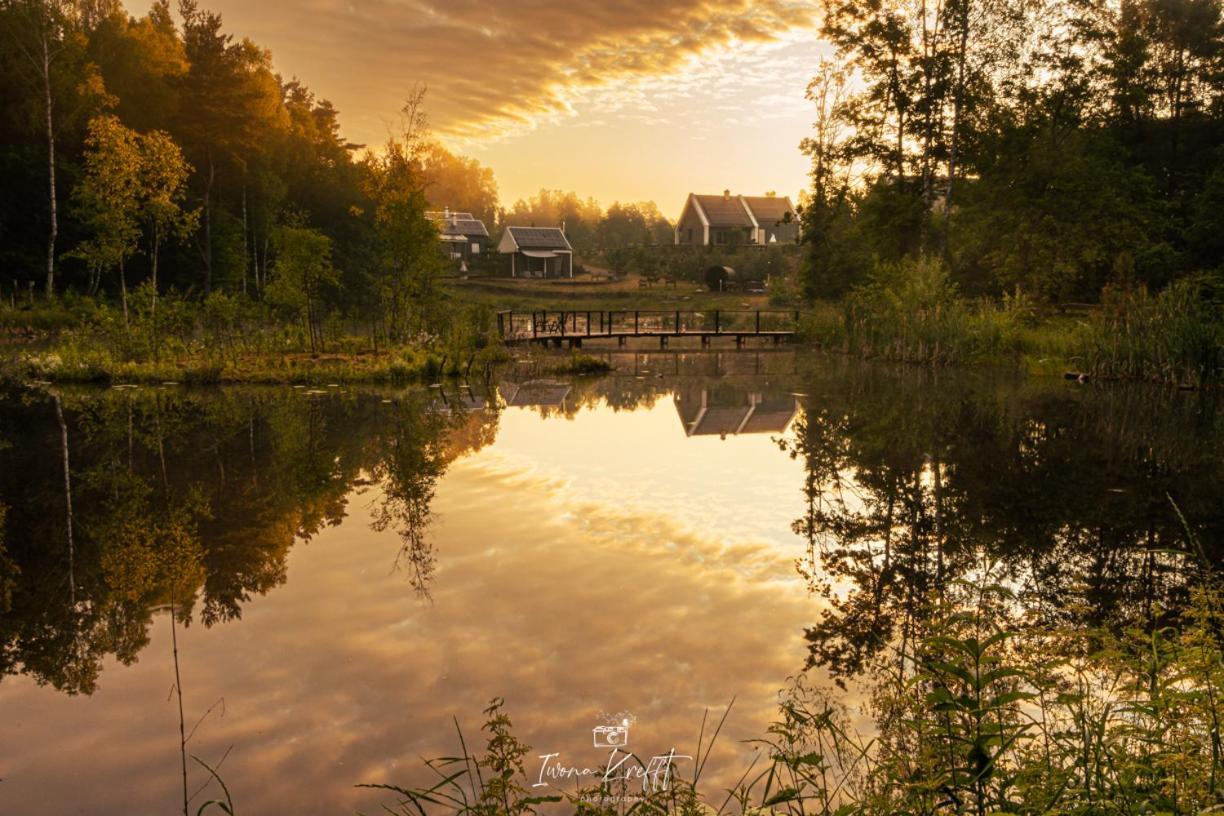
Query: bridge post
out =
(535, 327)
(717, 322)
(588, 325)
(758, 321)
(635, 322)
(662, 341)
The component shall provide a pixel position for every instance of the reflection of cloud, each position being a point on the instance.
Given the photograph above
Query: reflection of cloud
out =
(568, 605)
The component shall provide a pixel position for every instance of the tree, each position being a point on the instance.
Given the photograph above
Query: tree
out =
(163, 190)
(303, 270)
(39, 37)
(408, 257)
(108, 199)
(234, 102)
(459, 183)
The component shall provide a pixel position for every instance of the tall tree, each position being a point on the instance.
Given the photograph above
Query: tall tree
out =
(108, 199)
(39, 36)
(162, 193)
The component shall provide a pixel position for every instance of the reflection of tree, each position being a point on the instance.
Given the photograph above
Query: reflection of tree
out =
(187, 499)
(908, 487)
(417, 446)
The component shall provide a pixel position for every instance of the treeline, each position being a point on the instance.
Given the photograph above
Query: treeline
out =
(160, 153)
(589, 228)
(1058, 148)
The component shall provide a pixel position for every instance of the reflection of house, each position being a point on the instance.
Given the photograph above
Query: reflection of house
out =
(462, 235)
(707, 412)
(545, 393)
(726, 219)
(537, 252)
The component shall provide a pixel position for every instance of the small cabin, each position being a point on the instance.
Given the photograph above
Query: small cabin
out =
(537, 252)
(463, 236)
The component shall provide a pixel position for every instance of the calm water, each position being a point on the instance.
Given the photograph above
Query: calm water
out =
(351, 569)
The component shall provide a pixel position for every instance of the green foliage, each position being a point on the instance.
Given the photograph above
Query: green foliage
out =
(1175, 337)
(911, 311)
(300, 277)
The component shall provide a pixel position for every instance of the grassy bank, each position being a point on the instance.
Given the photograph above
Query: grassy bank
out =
(230, 340)
(912, 313)
(909, 313)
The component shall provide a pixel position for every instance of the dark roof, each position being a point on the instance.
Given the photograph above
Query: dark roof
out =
(469, 227)
(539, 237)
(724, 211)
(457, 223)
(769, 210)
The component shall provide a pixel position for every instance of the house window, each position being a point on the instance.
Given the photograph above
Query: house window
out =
(475, 248)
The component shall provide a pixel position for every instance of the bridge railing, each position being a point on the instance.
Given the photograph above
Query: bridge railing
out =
(549, 323)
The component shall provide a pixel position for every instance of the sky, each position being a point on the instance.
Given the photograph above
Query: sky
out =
(620, 100)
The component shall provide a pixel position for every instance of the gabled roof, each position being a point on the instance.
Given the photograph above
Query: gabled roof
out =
(458, 223)
(741, 211)
(536, 238)
(723, 211)
(769, 210)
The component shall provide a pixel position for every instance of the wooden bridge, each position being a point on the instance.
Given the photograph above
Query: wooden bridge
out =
(560, 327)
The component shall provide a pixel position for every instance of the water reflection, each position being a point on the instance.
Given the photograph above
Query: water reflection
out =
(1074, 493)
(730, 410)
(611, 560)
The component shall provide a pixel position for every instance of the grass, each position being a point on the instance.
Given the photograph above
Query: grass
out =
(912, 313)
(72, 364)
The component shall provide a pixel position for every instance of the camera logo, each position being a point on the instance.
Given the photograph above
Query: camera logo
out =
(611, 736)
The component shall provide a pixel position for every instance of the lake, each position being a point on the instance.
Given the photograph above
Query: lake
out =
(351, 571)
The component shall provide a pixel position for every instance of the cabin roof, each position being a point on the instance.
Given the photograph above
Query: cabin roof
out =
(458, 223)
(724, 211)
(769, 210)
(547, 238)
(742, 211)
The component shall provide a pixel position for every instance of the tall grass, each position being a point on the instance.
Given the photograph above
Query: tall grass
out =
(912, 312)
(1175, 337)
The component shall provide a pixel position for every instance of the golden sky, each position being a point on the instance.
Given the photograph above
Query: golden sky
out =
(617, 99)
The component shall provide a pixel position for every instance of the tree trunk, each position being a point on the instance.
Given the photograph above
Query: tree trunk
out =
(206, 253)
(153, 264)
(957, 104)
(123, 294)
(59, 415)
(53, 232)
(244, 236)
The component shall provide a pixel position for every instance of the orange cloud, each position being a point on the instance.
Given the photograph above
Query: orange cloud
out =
(496, 67)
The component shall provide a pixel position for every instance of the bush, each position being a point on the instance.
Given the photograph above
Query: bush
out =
(912, 312)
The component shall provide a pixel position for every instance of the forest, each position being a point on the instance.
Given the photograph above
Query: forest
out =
(1055, 149)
